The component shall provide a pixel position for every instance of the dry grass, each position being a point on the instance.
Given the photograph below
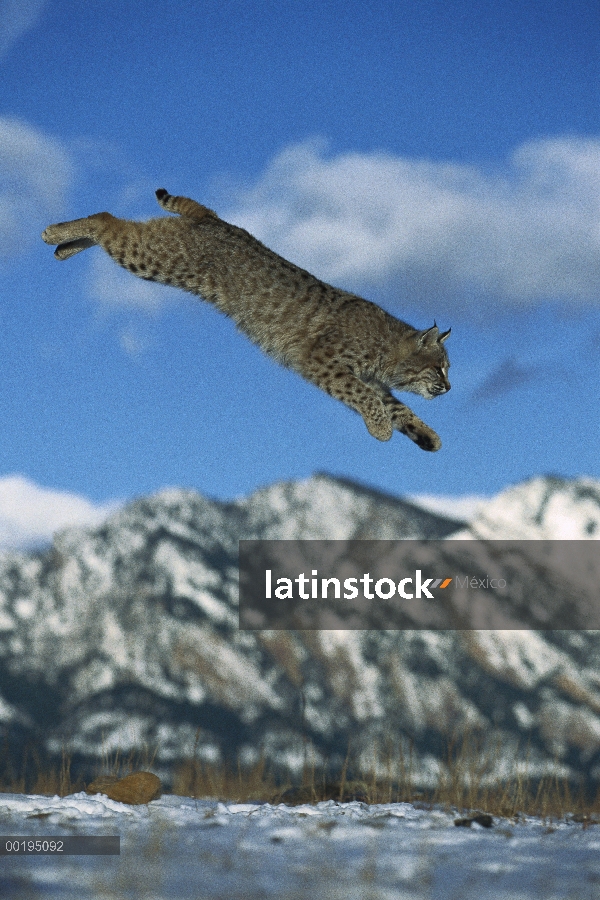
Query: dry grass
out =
(467, 782)
(35, 775)
(195, 778)
(470, 782)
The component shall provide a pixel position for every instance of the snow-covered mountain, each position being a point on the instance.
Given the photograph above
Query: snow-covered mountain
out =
(544, 508)
(126, 634)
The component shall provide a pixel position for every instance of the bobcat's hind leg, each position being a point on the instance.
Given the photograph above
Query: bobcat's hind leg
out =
(70, 248)
(183, 206)
(77, 235)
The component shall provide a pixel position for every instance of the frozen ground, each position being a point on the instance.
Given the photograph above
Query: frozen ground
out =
(177, 847)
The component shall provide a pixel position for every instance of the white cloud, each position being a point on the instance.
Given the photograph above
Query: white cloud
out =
(35, 175)
(17, 17)
(526, 233)
(30, 515)
(464, 508)
(114, 287)
(131, 343)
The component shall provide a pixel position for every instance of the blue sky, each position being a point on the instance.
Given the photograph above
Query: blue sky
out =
(442, 159)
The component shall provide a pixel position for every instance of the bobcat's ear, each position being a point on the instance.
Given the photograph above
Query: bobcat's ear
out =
(432, 334)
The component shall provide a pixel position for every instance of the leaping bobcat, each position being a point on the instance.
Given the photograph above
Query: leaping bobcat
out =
(349, 347)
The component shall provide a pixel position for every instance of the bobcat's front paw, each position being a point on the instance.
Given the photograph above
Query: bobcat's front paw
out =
(380, 428)
(422, 435)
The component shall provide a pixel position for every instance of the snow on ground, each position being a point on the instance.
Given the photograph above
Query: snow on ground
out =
(177, 847)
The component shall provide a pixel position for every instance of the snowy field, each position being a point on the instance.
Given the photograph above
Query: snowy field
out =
(177, 847)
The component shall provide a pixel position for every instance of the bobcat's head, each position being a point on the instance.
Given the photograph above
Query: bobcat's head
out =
(425, 370)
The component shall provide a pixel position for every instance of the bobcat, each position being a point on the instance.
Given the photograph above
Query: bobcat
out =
(349, 347)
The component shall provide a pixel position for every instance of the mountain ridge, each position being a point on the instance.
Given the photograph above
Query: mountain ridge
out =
(126, 635)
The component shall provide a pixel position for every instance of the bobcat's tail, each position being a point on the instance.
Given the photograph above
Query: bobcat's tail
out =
(183, 206)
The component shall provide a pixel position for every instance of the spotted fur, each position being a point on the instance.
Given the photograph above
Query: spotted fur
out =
(347, 346)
